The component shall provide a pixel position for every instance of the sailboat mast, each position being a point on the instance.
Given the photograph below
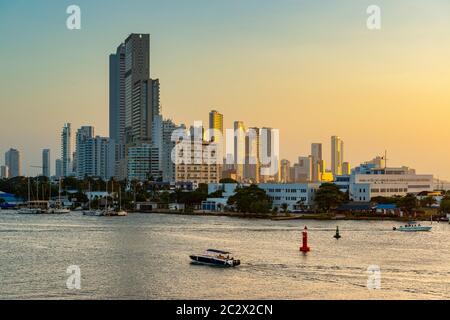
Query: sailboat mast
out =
(29, 191)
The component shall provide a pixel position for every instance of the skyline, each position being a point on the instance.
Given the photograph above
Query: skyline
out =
(246, 74)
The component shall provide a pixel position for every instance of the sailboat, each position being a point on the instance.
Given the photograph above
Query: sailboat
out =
(30, 209)
(112, 212)
(59, 209)
(90, 212)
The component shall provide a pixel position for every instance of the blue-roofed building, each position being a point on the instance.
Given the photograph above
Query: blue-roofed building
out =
(10, 200)
(387, 208)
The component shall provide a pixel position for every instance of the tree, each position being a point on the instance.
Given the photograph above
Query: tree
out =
(329, 197)
(251, 199)
(428, 201)
(445, 205)
(284, 207)
(408, 203)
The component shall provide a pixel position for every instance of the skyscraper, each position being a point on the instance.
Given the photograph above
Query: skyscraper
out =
(117, 94)
(12, 161)
(316, 154)
(337, 155)
(285, 171)
(215, 123)
(303, 169)
(252, 156)
(269, 155)
(239, 149)
(58, 168)
(84, 155)
(141, 93)
(46, 163)
(66, 150)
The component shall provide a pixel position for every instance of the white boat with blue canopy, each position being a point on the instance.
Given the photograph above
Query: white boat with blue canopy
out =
(412, 227)
(215, 257)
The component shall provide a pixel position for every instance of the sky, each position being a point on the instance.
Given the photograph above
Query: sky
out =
(312, 69)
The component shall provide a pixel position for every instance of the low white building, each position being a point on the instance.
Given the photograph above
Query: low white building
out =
(369, 181)
(291, 194)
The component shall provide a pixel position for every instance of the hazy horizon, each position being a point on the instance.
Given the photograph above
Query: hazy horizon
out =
(310, 69)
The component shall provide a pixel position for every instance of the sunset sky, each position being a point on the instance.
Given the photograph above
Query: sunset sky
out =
(309, 68)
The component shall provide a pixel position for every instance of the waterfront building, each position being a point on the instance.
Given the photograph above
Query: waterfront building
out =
(196, 162)
(337, 155)
(368, 181)
(139, 162)
(162, 149)
(66, 150)
(294, 195)
(46, 163)
(96, 156)
(12, 162)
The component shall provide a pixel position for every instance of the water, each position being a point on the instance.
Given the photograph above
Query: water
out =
(146, 257)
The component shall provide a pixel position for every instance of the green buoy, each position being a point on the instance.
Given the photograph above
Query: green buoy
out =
(337, 235)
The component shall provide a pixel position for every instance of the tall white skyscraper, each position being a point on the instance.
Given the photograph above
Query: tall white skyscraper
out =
(252, 155)
(46, 163)
(239, 149)
(337, 155)
(83, 153)
(12, 161)
(66, 150)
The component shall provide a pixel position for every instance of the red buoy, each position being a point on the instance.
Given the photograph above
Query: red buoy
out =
(304, 248)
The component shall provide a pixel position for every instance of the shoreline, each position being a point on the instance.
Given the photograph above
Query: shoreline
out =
(289, 216)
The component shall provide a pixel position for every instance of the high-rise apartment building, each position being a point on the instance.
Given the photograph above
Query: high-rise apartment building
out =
(303, 169)
(66, 150)
(269, 155)
(239, 149)
(117, 95)
(58, 168)
(12, 161)
(346, 168)
(141, 94)
(3, 172)
(337, 155)
(252, 156)
(84, 156)
(317, 161)
(46, 163)
(285, 171)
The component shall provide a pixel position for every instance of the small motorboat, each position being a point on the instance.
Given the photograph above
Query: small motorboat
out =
(412, 228)
(92, 213)
(215, 257)
(29, 211)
